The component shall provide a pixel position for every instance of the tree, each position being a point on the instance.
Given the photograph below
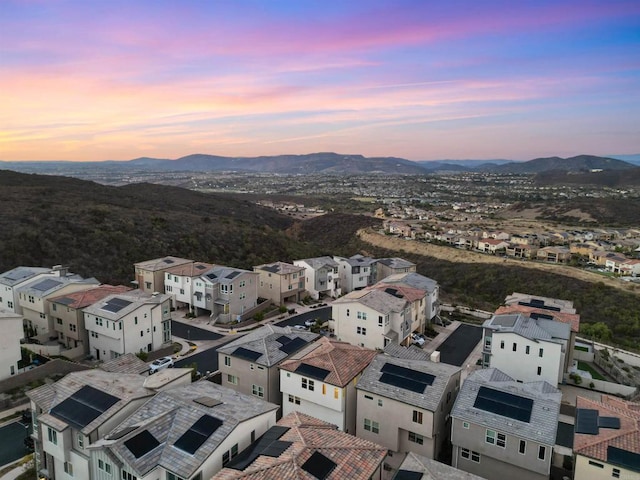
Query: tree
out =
(597, 331)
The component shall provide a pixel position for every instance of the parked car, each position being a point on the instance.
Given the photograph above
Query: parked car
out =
(310, 323)
(160, 364)
(417, 339)
(26, 416)
(300, 327)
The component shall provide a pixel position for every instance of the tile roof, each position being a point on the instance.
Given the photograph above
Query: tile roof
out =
(396, 262)
(355, 458)
(531, 328)
(343, 360)
(319, 262)
(281, 268)
(573, 319)
(428, 400)
(127, 363)
(264, 340)
(626, 438)
(88, 297)
(543, 423)
(138, 298)
(20, 274)
(410, 353)
(377, 299)
(434, 470)
(161, 263)
(563, 305)
(194, 269)
(411, 294)
(414, 280)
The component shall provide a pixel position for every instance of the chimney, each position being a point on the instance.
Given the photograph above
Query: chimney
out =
(435, 357)
(62, 271)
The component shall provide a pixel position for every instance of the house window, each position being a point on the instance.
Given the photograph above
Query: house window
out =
(502, 344)
(379, 402)
(595, 464)
(52, 435)
(68, 469)
(128, 476)
(526, 349)
(494, 438)
(491, 437)
(308, 384)
(242, 284)
(542, 452)
(148, 285)
(380, 320)
(227, 361)
(501, 441)
(59, 321)
(615, 473)
(470, 454)
(336, 393)
(361, 330)
(80, 441)
(368, 397)
(523, 447)
(416, 438)
(417, 417)
(465, 425)
(257, 390)
(515, 346)
(294, 399)
(371, 426)
(540, 352)
(539, 370)
(347, 312)
(232, 379)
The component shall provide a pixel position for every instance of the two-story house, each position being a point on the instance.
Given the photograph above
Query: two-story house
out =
(12, 333)
(420, 282)
(67, 312)
(228, 293)
(393, 265)
(188, 432)
(128, 322)
(554, 254)
(321, 276)
(320, 381)
(526, 348)
(404, 404)
(371, 318)
(281, 282)
(417, 298)
(14, 278)
(300, 446)
(501, 428)
(356, 272)
(250, 363)
(606, 440)
(149, 275)
(178, 282)
(492, 245)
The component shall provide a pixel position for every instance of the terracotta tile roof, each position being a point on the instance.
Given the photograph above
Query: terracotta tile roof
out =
(343, 360)
(409, 293)
(190, 269)
(355, 458)
(572, 319)
(626, 438)
(89, 297)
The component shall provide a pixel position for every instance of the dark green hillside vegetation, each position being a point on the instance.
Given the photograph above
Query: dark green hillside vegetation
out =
(101, 231)
(614, 212)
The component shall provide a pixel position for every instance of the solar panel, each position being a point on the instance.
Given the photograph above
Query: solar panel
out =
(504, 403)
(46, 284)
(168, 261)
(199, 432)
(211, 276)
(142, 443)
(283, 339)
(276, 449)
(232, 275)
(402, 382)
(295, 344)
(246, 354)
(624, 458)
(539, 304)
(122, 433)
(609, 422)
(207, 401)
(200, 267)
(399, 371)
(319, 466)
(84, 406)
(312, 371)
(407, 475)
(115, 305)
(587, 421)
(260, 446)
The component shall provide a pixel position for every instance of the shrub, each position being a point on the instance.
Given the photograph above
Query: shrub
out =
(282, 309)
(258, 317)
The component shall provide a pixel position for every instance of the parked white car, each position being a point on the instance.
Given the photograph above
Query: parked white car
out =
(160, 364)
(417, 339)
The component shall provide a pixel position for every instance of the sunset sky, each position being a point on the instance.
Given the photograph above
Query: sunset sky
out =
(423, 80)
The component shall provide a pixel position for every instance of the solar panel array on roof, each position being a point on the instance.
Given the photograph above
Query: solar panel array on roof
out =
(624, 458)
(587, 421)
(246, 354)
(609, 422)
(269, 444)
(84, 406)
(319, 466)
(283, 339)
(540, 316)
(232, 275)
(200, 431)
(200, 267)
(407, 475)
(504, 403)
(535, 303)
(394, 292)
(294, 345)
(211, 276)
(168, 261)
(115, 304)
(404, 383)
(312, 371)
(142, 443)
(46, 284)
(400, 371)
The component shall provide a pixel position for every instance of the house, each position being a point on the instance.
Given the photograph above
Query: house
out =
(606, 440)
(404, 404)
(230, 294)
(386, 267)
(14, 278)
(178, 282)
(372, 318)
(320, 381)
(527, 348)
(496, 235)
(188, 432)
(33, 295)
(128, 322)
(631, 267)
(67, 312)
(614, 263)
(600, 257)
(501, 428)
(12, 333)
(149, 275)
(420, 282)
(300, 446)
(518, 250)
(554, 254)
(492, 245)
(281, 282)
(356, 272)
(417, 298)
(250, 363)
(321, 275)
(419, 467)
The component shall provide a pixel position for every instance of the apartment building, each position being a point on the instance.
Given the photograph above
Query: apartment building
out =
(250, 363)
(149, 275)
(320, 381)
(404, 404)
(12, 333)
(179, 282)
(67, 312)
(502, 428)
(356, 272)
(420, 282)
(321, 276)
(281, 282)
(227, 293)
(14, 278)
(386, 267)
(128, 322)
(300, 446)
(529, 349)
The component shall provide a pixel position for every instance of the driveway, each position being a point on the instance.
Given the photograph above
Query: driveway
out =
(189, 332)
(206, 360)
(12, 437)
(323, 313)
(455, 349)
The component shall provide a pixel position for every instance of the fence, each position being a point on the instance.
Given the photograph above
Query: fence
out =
(53, 367)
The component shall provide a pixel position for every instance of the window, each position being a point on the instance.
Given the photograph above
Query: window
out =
(470, 454)
(68, 469)
(417, 416)
(542, 452)
(106, 467)
(227, 361)
(416, 438)
(380, 320)
(257, 390)
(465, 425)
(128, 476)
(615, 473)
(242, 284)
(371, 426)
(595, 464)
(225, 458)
(232, 379)
(362, 315)
(308, 384)
(491, 437)
(501, 440)
(379, 402)
(294, 399)
(526, 349)
(475, 457)
(59, 321)
(523, 447)
(361, 330)
(336, 393)
(52, 435)
(80, 441)
(368, 397)
(540, 352)
(515, 346)
(347, 312)
(502, 344)
(539, 370)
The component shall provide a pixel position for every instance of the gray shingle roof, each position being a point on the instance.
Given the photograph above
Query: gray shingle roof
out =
(378, 300)
(543, 423)
(410, 353)
(396, 262)
(319, 262)
(20, 274)
(222, 274)
(428, 400)
(414, 280)
(531, 328)
(264, 341)
(434, 470)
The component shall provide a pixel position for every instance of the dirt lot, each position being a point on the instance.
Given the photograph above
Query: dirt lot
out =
(465, 256)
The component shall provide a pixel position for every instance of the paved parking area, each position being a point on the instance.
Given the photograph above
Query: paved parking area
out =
(12, 437)
(455, 349)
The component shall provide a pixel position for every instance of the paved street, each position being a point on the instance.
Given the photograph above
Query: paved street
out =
(12, 447)
(323, 313)
(189, 332)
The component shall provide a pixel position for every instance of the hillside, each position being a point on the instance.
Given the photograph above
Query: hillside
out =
(580, 163)
(609, 178)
